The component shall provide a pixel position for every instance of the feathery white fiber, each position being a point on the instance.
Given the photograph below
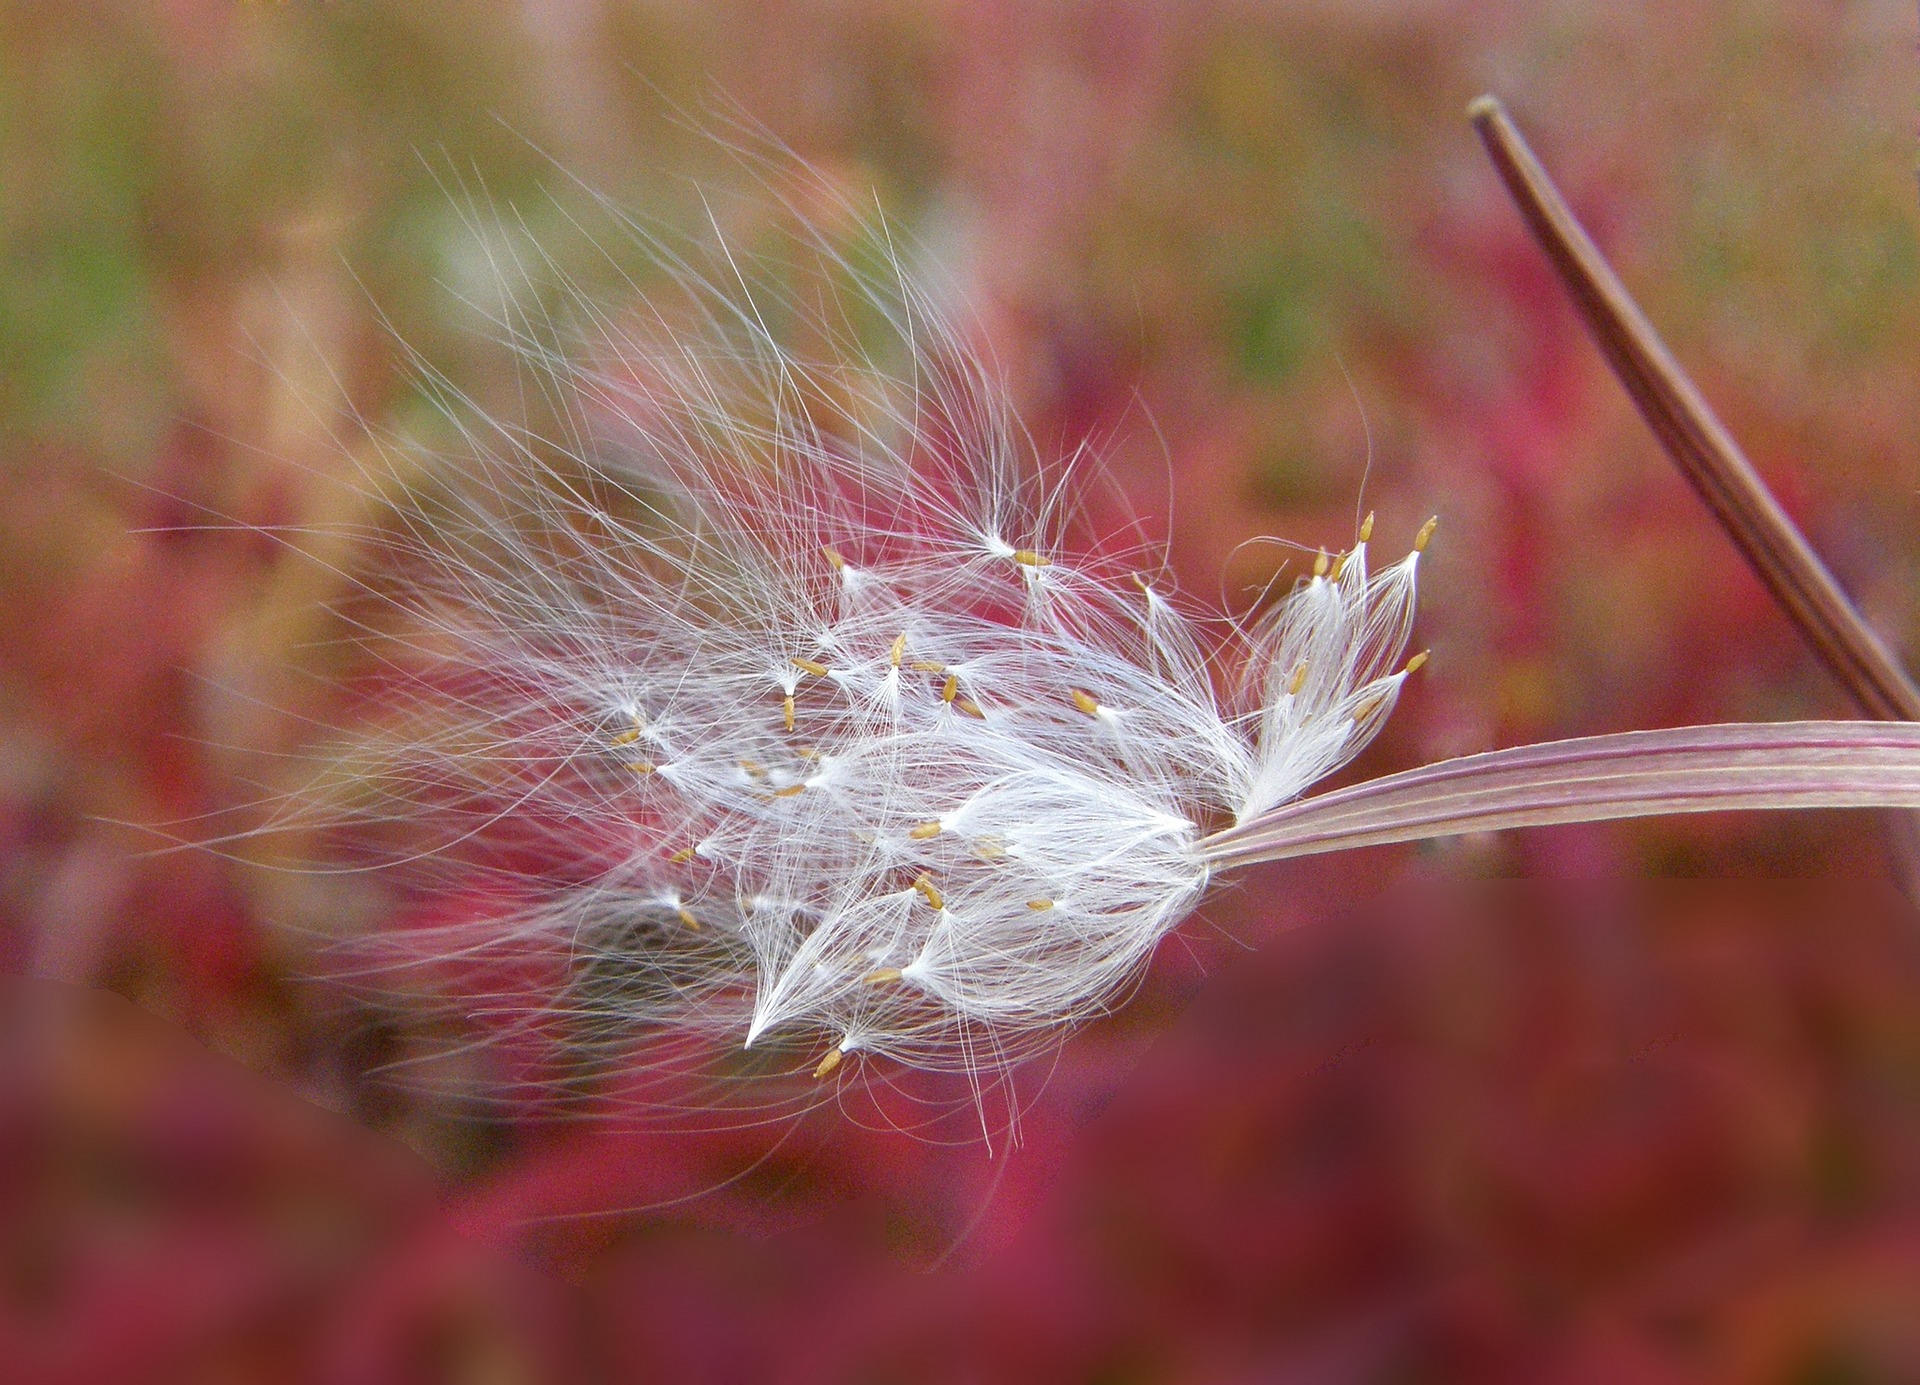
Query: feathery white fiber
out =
(753, 693)
(756, 681)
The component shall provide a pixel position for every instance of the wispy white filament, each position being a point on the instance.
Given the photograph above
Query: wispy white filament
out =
(756, 687)
(760, 683)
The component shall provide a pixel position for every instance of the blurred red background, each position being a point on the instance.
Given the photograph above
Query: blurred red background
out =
(1634, 1119)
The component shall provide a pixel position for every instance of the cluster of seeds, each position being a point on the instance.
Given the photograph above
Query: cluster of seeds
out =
(782, 705)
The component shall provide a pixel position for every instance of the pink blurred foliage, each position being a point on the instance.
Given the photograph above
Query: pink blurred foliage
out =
(169, 1215)
(1473, 1132)
(1492, 1132)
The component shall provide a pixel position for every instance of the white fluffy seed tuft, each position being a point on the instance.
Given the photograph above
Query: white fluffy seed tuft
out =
(757, 683)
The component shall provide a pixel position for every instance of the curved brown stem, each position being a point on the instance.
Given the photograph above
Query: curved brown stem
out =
(1707, 455)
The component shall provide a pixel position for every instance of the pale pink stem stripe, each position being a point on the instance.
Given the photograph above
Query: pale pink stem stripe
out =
(1690, 769)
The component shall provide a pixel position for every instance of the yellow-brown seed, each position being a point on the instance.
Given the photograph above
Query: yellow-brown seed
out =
(1421, 539)
(1026, 557)
(1085, 701)
(1039, 906)
(930, 893)
(881, 976)
(949, 688)
(813, 666)
(924, 831)
(828, 1063)
(899, 648)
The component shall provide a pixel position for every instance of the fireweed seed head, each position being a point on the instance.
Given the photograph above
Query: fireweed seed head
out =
(756, 690)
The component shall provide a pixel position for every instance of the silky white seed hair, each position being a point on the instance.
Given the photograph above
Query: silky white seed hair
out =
(757, 681)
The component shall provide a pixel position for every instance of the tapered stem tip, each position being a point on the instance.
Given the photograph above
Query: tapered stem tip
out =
(1484, 108)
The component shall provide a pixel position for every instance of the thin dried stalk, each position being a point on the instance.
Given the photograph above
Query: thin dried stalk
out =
(1699, 444)
(1691, 769)
(1707, 455)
